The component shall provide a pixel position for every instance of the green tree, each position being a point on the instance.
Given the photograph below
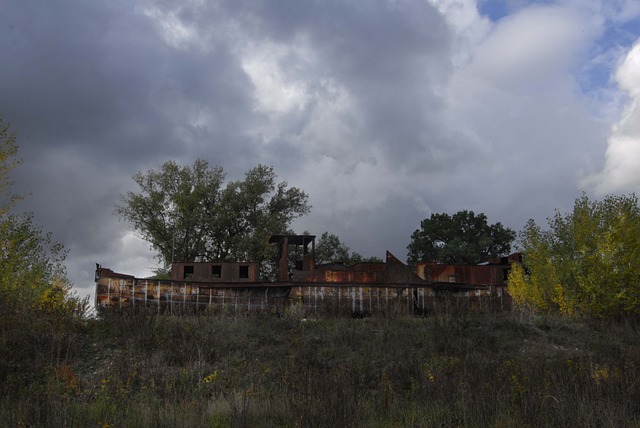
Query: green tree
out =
(586, 262)
(31, 265)
(189, 214)
(331, 249)
(463, 238)
(8, 161)
(38, 311)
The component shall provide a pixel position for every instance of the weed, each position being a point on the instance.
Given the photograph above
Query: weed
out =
(455, 369)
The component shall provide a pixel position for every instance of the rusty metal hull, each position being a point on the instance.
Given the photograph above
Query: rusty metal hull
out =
(364, 288)
(359, 298)
(182, 296)
(391, 298)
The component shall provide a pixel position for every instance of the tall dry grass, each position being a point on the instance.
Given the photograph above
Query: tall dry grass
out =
(451, 369)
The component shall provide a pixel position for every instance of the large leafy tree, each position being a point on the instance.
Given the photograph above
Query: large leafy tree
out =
(189, 213)
(463, 238)
(331, 249)
(586, 262)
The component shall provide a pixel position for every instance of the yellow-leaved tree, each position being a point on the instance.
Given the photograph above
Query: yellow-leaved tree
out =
(585, 263)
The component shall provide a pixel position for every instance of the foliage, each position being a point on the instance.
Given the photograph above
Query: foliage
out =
(330, 249)
(8, 161)
(463, 238)
(586, 263)
(38, 311)
(188, 215)
(31, 270)
(29, 262)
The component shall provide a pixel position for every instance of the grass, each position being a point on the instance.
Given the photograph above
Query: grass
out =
(491, 369)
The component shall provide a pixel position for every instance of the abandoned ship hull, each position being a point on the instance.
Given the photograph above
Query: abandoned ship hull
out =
(167, 296)
(362, 288)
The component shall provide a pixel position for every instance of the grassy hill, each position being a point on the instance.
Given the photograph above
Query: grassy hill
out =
(487, 369)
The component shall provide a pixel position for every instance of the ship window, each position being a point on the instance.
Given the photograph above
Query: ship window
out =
(243, 272)
(188, 271)
(216, 271)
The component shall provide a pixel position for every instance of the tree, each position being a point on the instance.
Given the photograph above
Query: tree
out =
(8, 161)
(331, 249)
(187, 214)
(463, 238)
(31, 265)
(585, 263)
(39, 313)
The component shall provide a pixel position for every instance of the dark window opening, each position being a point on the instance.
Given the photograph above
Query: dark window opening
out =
(216, 271)
(243, 272)
(188, 272)
(505, 274)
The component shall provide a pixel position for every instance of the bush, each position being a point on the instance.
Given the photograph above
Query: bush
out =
(586, 263)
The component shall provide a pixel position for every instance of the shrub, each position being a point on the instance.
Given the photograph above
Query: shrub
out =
(586, 263)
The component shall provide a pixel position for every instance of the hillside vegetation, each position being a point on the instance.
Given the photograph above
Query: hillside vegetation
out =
(266, 370)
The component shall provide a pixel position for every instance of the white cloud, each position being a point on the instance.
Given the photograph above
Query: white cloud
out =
(628, 74)
(174, 31)
(469, 27)
(139, 260)
(520, 77)
(534, 45)
(277, 91)
(529, 131)
(622, 169)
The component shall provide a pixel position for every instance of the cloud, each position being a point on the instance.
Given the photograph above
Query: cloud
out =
(383, 111)
(527, 127)
(621, 173)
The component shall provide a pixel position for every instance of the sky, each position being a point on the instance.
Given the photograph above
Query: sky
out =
(383, 111)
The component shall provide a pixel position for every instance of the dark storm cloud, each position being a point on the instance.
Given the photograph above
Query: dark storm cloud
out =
(96, 95)
(98, 77)
(390, 56)
(66, 81)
